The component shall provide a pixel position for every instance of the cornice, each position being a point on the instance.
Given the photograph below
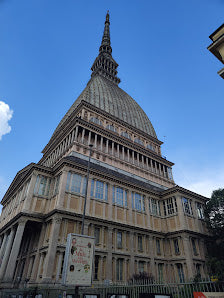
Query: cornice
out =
(66, 126)
(117, 225)
(16, 183)
(64, 162)
(112, 136)
(184, 191)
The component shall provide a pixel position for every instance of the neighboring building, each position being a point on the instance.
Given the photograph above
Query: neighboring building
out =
(217, 46)
(141, 220)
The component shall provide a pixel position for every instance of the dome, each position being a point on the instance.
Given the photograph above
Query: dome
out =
(102, 90)
(107, 96)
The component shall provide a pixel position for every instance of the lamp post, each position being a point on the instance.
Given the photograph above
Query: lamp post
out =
(87, 181)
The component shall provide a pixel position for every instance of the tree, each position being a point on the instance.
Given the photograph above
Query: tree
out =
(142, 277)
(214, 215)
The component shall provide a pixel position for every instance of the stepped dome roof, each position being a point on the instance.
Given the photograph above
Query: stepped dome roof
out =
(107, 96)
(103, 92)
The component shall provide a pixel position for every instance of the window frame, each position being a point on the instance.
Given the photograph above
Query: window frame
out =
(140, 243)
(176, 246)
(120, 196)
(138, 201)
(187, 206)
(119, 240)
(97, 185)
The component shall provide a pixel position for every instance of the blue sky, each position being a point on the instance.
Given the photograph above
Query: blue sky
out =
(47, 49)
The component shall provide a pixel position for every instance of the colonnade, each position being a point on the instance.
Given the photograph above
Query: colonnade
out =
(10, 246)
(109, 147)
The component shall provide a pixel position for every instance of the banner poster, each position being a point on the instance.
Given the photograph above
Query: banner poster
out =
(78, 262)
(208, 294)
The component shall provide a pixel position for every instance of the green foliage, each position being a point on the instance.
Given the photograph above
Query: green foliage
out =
(214, 215)
(142, 277)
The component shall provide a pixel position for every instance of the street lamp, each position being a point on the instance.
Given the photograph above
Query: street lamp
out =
(87, 181)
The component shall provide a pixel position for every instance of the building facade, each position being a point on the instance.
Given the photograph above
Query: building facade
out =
(217, 46)
(141, 220)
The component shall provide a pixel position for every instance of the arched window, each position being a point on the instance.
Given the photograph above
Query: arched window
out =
(126, 135)
(111, 127)
(137, 140)
(96, 120)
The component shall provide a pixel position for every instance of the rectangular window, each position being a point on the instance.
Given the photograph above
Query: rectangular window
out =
(99, 190)
(193, 241)
(119, 269)
(158, 250)
(119, 239)
(140, 244)
(96, 267)
(119, 196)
(180, 272)
(170, 206)
(187, 206)
(176, 246)
(42, 185)
(76, 183)
(138, 201)
(200, 211)
(198, 269)
(154, 207)
(169, 171)
(160, 271)
(141, 267)
(97, 235)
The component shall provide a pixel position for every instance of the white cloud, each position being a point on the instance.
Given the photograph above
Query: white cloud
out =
(5, 116)
(201, 182)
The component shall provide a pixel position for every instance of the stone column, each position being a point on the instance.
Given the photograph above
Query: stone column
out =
(132, 258)
(7, 252)
(72, 135)
(15, 251)
(147, 163)
(95, 142)
(152, 254)
(151, 165)
(110, 201)
(76, 133)
(133, 157)
(129, 199)
(89, 138)
(101, 143)
(107, 146)
(83, 135)
(188, 256)
(112, 153)
(37, 256)
(138, 159)
(128, 155)
(118, 150)
(123, 152)
(40, 265)
(52, 248)
(109, 255)
(61, 190)
(2, 247)
(59, 266)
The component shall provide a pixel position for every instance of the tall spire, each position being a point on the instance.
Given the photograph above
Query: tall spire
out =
(105, 44)
(104, 64)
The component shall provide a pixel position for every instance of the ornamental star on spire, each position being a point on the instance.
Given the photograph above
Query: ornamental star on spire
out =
(104, 64)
